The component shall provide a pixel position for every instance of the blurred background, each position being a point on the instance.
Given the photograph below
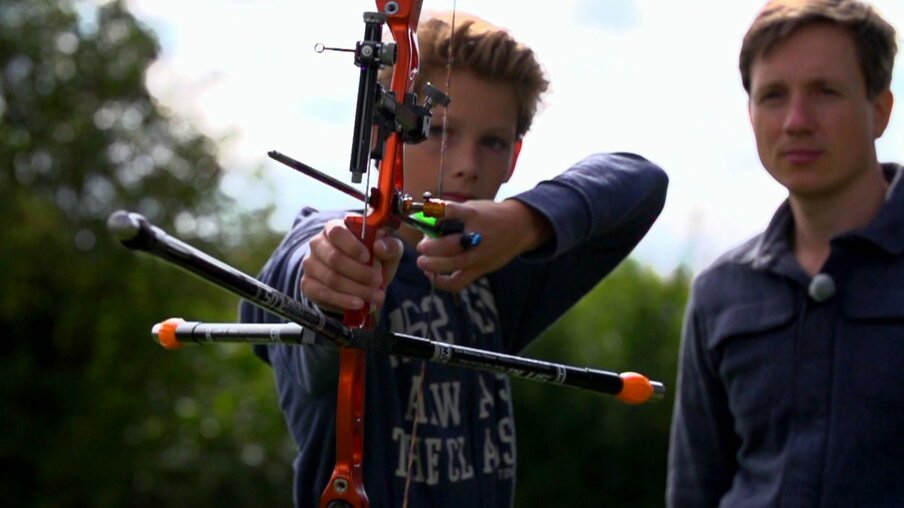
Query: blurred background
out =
(95, 116)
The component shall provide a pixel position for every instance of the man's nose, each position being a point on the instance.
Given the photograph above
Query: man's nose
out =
(798, 116)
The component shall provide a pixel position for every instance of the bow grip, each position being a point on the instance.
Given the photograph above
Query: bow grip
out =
(361, 318)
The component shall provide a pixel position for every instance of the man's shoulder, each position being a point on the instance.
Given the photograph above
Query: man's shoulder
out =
(741, 293)
(729, 270)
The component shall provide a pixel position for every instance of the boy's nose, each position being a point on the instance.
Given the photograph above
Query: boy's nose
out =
(463, 160)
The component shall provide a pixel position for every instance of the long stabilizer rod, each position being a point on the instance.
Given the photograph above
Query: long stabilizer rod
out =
(308, 325)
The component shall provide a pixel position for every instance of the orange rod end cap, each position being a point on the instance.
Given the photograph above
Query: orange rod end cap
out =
(636, 388)
(166, 333)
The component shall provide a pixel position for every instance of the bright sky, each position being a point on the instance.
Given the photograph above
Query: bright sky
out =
(655, 77)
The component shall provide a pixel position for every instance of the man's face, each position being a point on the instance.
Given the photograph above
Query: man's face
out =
(480, 141)
(814, 125)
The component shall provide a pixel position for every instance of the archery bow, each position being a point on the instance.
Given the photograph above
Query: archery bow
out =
(397, 118)
(346, 485)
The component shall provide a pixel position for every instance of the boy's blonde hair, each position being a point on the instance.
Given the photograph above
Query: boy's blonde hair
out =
(487, 51)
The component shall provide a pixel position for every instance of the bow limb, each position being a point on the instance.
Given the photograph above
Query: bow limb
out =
(346, 485)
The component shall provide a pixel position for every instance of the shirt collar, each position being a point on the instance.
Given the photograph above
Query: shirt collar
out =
(885, 231)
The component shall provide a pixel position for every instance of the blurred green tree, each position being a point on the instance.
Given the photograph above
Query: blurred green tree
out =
(581, 449)
(94, 413)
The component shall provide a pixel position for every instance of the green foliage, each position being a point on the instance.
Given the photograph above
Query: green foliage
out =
(94, 413)
(579, 448)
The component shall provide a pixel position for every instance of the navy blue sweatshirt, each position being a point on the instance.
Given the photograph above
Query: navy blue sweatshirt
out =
(465, 453)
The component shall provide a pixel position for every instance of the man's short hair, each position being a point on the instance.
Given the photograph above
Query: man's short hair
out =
(873, 37)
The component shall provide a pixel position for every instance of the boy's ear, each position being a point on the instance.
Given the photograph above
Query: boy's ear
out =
(515, 153)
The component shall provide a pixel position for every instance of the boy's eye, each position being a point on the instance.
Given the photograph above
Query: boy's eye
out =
(436, 132)
(495, 143)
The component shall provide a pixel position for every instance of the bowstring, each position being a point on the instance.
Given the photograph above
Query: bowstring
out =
(419, 397)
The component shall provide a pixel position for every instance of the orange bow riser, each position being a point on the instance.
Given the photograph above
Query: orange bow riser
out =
(346, 486)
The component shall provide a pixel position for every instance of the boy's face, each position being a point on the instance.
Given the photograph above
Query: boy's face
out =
(480, 141)
(814, 125)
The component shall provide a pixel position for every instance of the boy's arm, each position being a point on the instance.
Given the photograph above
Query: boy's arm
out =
(315, 366)
(619, 195)
(598, 211)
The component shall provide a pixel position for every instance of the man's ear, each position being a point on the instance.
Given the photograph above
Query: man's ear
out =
(515, 153)
(882, 106)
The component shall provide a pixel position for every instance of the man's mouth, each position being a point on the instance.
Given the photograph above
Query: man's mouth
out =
(801, 155)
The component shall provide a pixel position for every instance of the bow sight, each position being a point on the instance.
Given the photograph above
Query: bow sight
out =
(381, 108)
(379, 114)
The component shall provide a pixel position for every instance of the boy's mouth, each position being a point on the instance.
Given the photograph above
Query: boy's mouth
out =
(456, 196)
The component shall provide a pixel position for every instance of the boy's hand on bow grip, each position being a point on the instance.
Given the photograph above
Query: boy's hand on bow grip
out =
(337, 273)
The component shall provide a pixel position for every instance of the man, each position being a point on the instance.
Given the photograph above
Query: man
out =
(790, 384)
(541, 251)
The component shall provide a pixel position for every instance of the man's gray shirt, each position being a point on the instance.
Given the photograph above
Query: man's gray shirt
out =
(791, 388)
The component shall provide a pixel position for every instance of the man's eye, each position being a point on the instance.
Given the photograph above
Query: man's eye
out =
(436, 131)
(770, 96)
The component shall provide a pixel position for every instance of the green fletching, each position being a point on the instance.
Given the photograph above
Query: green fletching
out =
(420, 217)
(426, 225)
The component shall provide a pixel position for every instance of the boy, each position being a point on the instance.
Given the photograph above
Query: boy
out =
(541, 251)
